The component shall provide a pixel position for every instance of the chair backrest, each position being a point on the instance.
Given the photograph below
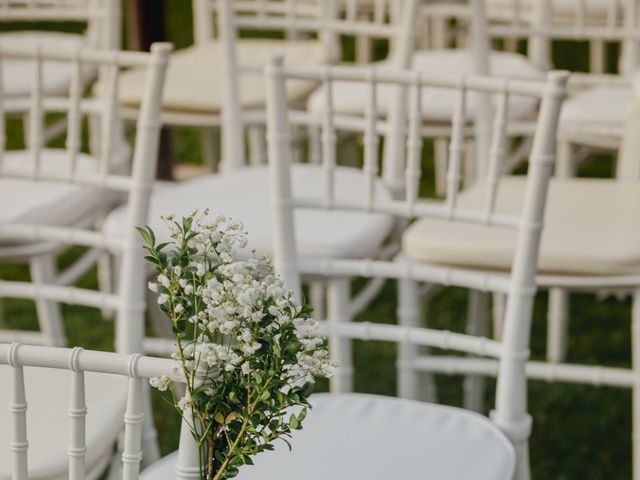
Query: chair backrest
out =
(307, 17)
(111, 172)
(542, 22)
(519, 284)
(135, 368)
(101, 17)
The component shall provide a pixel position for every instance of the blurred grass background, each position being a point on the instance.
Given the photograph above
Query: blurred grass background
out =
(580, 432)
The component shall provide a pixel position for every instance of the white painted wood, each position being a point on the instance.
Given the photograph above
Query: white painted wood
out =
(510, 412)
(77, 419)
(46, 288)
(136, 368)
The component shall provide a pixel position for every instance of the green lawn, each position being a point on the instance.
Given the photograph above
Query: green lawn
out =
(580, 432)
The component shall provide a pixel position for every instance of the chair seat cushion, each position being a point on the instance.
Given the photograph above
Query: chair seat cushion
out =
(437, 103)
(563, 10)
(605, 106)
(46, 202)
(356, 436)
(202, 92)
(48, 391)
(244, 195)
(592, 227)
(17, 75)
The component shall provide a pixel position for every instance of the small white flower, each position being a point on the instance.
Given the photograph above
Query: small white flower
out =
(163, 299)
(161, 383)
(164, 281)
(246, 369)
(201, 269)
(183, 403)
(153, 286)
(179, 308)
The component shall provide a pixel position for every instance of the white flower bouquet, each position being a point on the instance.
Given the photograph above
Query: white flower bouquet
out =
(243, 342)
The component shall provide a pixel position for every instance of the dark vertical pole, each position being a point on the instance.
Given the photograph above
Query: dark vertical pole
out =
(146, 24)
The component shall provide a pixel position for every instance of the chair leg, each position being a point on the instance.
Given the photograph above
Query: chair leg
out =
(150, 448)
(257, 145)
(106, 280)
(557, 321)
(499, 303)
(339, 306)
(42, 269)
(318, 299)
(477, 313)
(635, 354)
(210, 148)
(411, 383)
(565, 165)
(440, 146)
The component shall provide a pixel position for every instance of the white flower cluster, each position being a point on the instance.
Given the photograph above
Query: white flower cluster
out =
(238, 310)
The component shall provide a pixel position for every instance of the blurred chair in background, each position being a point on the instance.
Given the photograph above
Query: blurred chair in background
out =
(243, 193)
(101, 19)
(50, 198)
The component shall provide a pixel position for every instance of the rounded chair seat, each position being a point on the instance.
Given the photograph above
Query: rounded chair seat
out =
(46, 202)
(48, 392)
(17, 75)
(356, 436)
(350, 98)
(612, 104)
(591, 227)
(202, 92)
(243, 195)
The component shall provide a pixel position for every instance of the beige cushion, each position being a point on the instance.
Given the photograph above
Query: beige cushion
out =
(606, 106)
(46, 202)
(437, 103)
(195, 75)
(244, 195)
(564, 10)
(17, 75)
(358, 437)
(48, 393)
(592, 227)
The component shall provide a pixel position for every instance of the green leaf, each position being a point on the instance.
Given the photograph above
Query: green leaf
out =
(293, 421)
(147, 235)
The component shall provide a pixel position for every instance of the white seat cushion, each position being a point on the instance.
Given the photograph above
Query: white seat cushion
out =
(563, 10)
(244, 195)
(592, 227)
(56, 76)
(437, 103)
(195, 75)
(355, 436)
(606, 106)
(48, 392)
(46, 202)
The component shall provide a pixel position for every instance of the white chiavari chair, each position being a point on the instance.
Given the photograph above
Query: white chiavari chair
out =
(437, 106)
(511, 352)
(243, 193)
(38, 177)
(589, 245)
(100, 20)
(50, 426)
(599, 22)
(201, 100)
